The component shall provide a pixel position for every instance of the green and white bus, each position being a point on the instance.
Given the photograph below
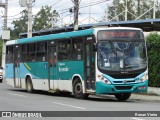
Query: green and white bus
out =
(109, 60)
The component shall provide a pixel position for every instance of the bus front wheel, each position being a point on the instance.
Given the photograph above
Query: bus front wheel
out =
(29, 85)
(78, 89)
(123, 96)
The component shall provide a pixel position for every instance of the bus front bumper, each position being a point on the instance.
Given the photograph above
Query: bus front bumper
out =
(102, 88)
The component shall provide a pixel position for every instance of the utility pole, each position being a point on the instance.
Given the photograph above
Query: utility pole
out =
(126, 10)
(29, 19)
(106, 15)
(76, 9)
(62, 20)
(5, 35)
(28, 3)
(90, 12)
(154, 9)
(52, 20)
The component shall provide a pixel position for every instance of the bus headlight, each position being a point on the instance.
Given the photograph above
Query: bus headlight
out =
(144, 78)
(104, 80)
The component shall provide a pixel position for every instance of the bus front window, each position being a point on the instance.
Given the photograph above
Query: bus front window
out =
(121, 56)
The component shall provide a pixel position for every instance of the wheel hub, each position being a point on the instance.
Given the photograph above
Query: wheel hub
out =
(78, 88)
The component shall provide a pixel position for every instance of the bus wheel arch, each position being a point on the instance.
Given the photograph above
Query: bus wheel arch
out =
(78, 88)
(29, 84)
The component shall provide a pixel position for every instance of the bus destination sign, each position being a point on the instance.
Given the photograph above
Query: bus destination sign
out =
(118, 34)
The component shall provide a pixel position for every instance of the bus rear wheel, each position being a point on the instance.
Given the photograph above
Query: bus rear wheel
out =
(123, 96)
(78, 90)
(29, 85)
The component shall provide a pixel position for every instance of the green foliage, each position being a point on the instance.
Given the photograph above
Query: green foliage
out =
(154, 60)
(116, 11)
(42, 20)
(20, 25)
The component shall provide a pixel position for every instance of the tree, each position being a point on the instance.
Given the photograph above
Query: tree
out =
(20, 25)
(45, 18)
(42, 20)
(116, 11)
(153, 59)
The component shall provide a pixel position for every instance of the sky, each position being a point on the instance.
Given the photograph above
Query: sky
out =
(62, 6)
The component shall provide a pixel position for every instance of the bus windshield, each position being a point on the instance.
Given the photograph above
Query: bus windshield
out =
(122, 55)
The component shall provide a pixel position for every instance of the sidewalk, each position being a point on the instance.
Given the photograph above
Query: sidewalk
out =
(145, 97)
(153, 94)
(154, 91)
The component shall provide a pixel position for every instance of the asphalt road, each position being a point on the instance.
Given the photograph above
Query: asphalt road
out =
(13, 99)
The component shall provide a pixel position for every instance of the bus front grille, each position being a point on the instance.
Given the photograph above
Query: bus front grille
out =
(123, 87)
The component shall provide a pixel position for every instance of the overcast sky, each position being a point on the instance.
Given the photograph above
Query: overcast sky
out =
(97, 10)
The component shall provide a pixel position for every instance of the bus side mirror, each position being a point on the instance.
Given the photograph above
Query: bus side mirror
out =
(94, 47)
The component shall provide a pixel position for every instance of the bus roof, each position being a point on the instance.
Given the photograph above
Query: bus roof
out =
(65, 35)
(53, 36)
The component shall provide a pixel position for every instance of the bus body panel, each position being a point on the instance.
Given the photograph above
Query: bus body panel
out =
(102, 88)
(66, 70)
(39, 73)
(9, 71)
(130, 85)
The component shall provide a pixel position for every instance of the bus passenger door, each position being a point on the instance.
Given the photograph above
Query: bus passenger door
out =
(17, 81)
(89, 65)
(52, 61)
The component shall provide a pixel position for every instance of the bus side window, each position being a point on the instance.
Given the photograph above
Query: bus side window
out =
(9, 54)
(64, 49)
(77, 47)
(29, 52)
(41, 51)
(24, 52)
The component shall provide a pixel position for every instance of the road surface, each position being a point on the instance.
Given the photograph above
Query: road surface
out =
(13, 99)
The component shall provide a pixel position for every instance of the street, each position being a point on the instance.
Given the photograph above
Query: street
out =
(13, 99)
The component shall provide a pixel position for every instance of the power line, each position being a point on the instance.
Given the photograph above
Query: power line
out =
(17, 14)
(62, 4)
(90, 13)
(88, 4)
(50, 5)
(56, 3)
(94, 4)
(67, 10)
(83, 6)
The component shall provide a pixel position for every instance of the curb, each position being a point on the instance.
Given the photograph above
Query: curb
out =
(145, 97)
(153, 91)
(153, 94)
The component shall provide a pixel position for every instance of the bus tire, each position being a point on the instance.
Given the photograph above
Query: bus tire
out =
(29, 85)
(123, 96)
(1, 80)
(78, 89)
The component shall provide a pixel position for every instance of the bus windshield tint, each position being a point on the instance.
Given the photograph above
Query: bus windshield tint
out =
(119, 34)
(121, 56)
